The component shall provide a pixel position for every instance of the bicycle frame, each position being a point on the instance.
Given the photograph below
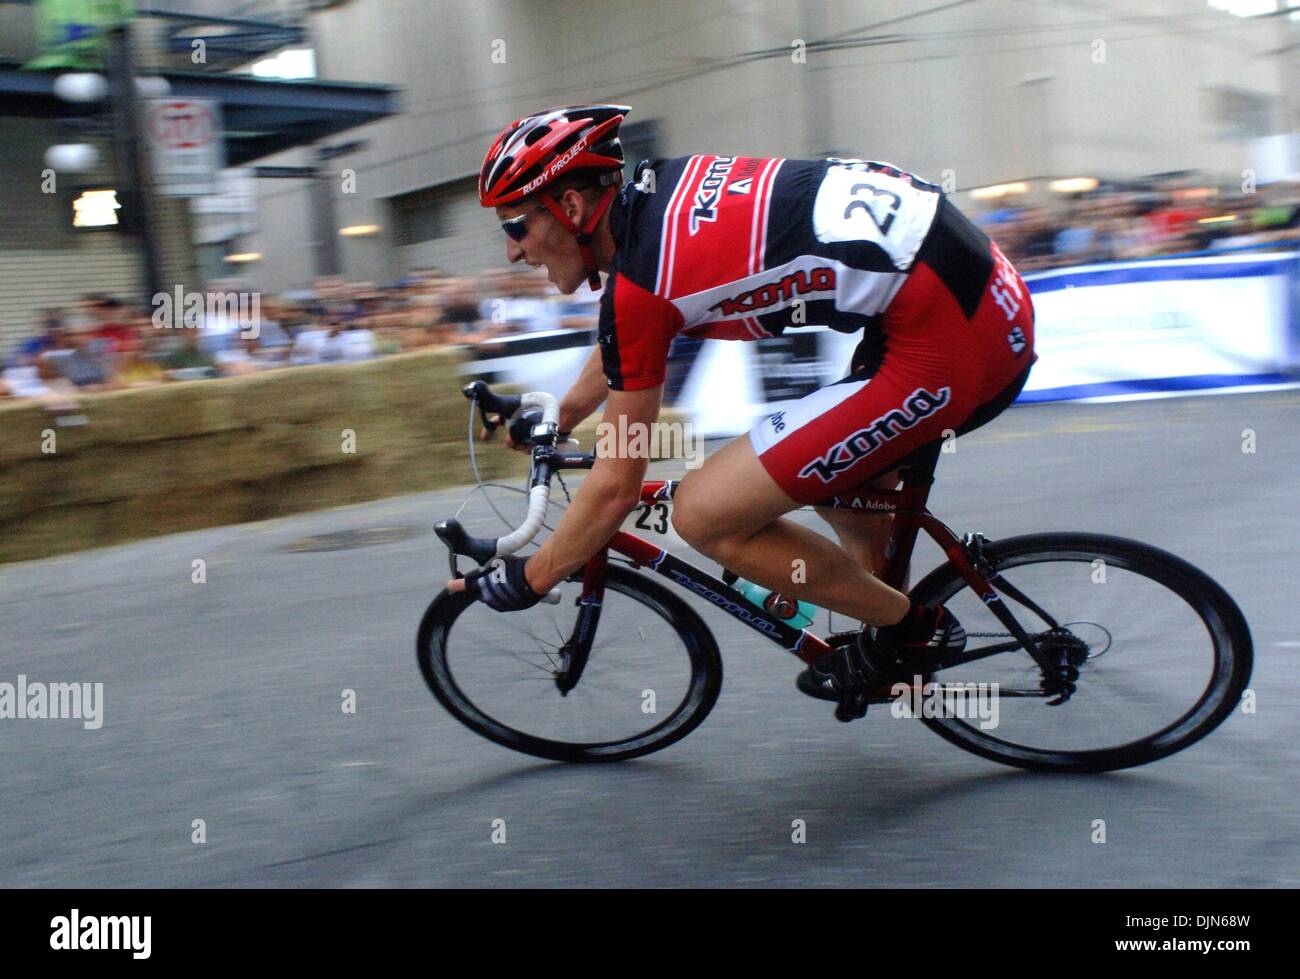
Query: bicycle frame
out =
(908, 505)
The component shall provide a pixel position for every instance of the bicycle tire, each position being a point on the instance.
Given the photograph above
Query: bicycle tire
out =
(1233, 653)
(702, 694)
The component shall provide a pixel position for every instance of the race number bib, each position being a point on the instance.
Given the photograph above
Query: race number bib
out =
(855, 203)
(654, 522)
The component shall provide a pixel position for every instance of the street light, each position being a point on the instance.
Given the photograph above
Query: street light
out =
(81, 86)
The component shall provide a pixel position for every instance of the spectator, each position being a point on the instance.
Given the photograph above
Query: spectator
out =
(248, 357)
(346, 343)
(187, 361)
(39, 380)
(81, 359)
(112, 322)
(517, 302)
(133, 366)
(51, 337)
(307, 342)
(23, 381)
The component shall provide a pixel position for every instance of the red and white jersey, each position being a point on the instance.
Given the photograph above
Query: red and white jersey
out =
(742, 248)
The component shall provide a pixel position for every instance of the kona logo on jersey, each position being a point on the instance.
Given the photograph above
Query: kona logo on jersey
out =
(920, 404)
(798, 283)
(710, 191)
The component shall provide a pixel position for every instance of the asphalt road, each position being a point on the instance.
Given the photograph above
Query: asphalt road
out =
(222, 703)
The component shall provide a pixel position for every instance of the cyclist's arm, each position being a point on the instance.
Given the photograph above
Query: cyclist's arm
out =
(586, 394)
(605, 497)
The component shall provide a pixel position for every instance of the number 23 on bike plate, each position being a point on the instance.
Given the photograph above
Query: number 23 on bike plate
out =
(654, 522)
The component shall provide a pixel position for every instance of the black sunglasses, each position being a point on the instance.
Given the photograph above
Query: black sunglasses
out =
(517, 227)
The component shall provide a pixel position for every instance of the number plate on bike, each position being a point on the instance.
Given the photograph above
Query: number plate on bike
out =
(654, 522)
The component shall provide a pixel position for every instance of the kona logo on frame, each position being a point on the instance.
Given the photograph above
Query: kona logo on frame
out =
(740, 612)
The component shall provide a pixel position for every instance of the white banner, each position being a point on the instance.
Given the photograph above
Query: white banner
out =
(1113, 330)
(1175, 324)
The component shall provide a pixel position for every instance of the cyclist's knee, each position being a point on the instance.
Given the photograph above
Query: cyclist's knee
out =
(690, 516)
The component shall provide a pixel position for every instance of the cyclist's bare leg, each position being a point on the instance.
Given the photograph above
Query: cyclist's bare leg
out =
(732, 511)
(863, 534)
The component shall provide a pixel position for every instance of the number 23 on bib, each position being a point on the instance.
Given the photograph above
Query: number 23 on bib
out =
(857, 203)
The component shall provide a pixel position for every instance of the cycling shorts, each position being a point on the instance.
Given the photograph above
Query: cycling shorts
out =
(953, 350)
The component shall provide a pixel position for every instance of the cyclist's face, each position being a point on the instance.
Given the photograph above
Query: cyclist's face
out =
(546, 242)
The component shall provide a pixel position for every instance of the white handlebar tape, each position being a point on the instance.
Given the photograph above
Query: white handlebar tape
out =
(540, 399)
(539, 497)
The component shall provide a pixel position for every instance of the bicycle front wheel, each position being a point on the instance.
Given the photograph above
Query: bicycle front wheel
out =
(652, 676)
(1161, 651)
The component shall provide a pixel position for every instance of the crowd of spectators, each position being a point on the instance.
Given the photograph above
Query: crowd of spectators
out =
(102, 344)
(1173, 218)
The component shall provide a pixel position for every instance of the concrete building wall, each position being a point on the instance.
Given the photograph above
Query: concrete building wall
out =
(992, 91)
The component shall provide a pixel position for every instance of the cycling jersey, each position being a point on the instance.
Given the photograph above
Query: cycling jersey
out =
(743, 248)
(740, 248)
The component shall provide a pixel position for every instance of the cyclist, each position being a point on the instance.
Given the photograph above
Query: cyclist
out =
(741, 248)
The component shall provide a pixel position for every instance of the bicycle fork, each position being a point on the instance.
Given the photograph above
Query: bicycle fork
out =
(577, 649)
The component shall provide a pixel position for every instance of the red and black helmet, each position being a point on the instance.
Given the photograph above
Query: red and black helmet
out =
(536, 149)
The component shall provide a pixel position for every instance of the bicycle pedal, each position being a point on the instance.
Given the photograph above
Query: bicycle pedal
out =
(851, 712)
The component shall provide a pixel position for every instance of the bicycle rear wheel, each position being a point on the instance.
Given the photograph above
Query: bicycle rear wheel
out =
(653, 674)
(1161, 650)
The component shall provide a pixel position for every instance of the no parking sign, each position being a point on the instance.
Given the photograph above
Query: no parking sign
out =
(186, 145)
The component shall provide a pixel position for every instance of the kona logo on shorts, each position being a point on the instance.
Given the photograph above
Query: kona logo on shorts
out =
(920, 404)
(706, 198)
(800, 283)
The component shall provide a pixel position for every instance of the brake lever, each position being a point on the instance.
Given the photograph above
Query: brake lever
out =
(552, 597)
(488, 423)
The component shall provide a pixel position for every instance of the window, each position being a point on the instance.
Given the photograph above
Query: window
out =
(429, 213)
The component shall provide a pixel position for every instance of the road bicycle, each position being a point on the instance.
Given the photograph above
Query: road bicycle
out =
(1099, 652)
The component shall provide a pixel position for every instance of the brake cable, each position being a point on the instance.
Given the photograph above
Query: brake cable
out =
(482, 487)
